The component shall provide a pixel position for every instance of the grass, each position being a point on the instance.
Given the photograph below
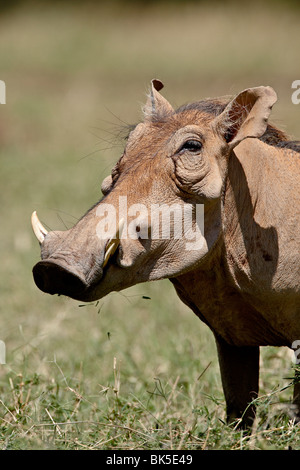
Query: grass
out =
(137, 370)
(130, 410)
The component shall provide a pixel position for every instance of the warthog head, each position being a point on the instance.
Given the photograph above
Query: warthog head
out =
(161, 211)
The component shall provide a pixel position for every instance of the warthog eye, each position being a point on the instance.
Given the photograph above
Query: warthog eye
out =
(191, 145)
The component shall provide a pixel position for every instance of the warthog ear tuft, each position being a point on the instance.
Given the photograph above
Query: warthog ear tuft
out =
(246, 115)
(156, 107)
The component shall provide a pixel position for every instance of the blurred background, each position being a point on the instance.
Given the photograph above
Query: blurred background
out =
(76, 73)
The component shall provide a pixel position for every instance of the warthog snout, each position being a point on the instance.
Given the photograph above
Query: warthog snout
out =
(73, 264)
(54, 278)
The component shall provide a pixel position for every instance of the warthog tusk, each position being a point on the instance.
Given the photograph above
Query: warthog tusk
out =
(113, 243)
(38, 229)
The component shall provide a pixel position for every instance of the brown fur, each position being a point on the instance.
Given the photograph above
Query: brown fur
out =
(244, 282)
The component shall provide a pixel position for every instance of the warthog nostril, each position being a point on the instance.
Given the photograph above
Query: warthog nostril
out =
(53, 278)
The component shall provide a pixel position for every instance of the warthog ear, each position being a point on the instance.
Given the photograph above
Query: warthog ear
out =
(156, 106)
(246, 115)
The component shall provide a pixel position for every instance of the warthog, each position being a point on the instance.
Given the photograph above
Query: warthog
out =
(236, 263)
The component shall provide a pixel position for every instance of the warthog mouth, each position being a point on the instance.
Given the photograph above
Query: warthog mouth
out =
(63, 275)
